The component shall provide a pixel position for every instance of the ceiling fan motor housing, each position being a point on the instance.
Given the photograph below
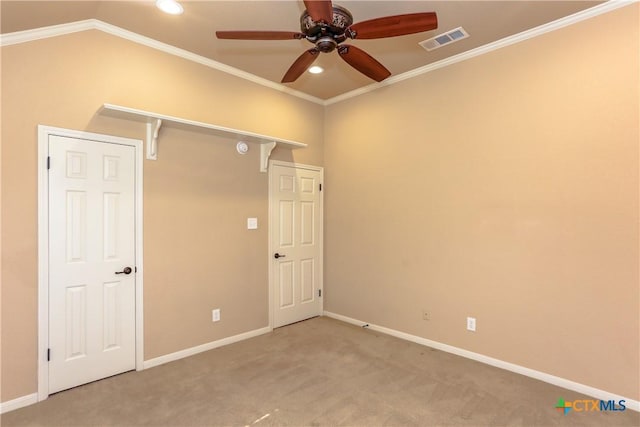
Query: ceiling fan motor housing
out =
(341, 20)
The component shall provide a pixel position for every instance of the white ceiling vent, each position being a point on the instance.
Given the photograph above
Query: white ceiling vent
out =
(445, 38)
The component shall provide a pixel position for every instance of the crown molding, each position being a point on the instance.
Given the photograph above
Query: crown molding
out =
(95, 24)
(46, 32)
(490, 47)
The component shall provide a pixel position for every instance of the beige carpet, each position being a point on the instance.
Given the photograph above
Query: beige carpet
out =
(321, 372)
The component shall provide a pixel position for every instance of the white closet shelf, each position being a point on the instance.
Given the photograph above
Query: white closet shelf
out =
(155, 120)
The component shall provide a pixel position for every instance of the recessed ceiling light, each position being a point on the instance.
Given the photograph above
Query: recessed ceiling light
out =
(315, 70)
(169, 6)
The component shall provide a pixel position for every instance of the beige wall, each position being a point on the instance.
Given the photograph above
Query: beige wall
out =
(197, 196)
(505, 188)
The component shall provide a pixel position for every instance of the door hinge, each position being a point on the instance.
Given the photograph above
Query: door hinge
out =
(320, 187)
(319, 292)
(48, 162)
(48, 354)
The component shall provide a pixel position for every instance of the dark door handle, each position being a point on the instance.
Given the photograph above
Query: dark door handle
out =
(127, 270)
(277, 255)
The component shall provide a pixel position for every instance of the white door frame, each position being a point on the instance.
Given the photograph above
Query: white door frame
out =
(43, 244)
(272, 218)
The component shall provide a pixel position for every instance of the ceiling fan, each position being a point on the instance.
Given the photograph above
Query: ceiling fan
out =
(327, 26)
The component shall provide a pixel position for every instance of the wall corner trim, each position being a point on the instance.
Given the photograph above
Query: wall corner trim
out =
(157, 361)
(528, 372)
(20, 402)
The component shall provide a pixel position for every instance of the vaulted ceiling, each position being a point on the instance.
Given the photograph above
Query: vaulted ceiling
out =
(194, 31)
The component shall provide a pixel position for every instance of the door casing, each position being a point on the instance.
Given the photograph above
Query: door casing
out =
(272, 227)
(43, 244)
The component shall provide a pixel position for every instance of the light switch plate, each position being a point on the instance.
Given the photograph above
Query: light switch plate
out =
(252, 223)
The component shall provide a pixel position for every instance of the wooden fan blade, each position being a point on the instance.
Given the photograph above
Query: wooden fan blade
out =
(363, 62)
(259, 35)
(300, 65)
(392, 26)
(320, 10)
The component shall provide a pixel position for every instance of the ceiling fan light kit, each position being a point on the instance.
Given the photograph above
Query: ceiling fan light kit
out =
(327, 26)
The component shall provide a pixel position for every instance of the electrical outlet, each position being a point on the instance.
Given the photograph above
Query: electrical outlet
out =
(426, 315)
(215, 315)
(471, 324)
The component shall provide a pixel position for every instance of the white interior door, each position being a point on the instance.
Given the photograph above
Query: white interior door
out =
(91, 248)
(296, 242)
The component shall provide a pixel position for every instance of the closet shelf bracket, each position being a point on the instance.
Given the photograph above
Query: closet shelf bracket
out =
(153, 128)
(265, 153)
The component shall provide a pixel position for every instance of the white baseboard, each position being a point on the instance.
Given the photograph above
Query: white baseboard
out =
(30, 399)
(542, 376)
(20, 402)
(204, 347)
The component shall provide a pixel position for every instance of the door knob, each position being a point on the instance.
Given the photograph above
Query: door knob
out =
(277, 255)
(127, 270)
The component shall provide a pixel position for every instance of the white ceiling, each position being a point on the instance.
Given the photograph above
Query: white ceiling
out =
(485, 21)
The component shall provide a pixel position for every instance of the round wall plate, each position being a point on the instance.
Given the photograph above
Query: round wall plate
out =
(242, 147)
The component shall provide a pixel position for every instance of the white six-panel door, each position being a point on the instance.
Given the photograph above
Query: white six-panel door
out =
(296, 233)
(91, 243)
